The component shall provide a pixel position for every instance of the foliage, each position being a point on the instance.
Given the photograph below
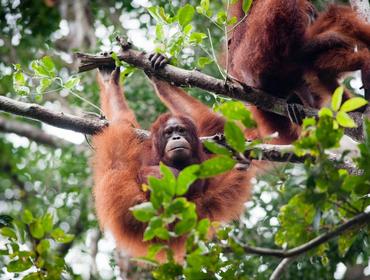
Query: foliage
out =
(45, 192)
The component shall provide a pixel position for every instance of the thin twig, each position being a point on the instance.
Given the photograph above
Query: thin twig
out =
(281, 268)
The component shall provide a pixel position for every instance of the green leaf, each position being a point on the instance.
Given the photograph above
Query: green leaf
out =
(48, 64)
(203, 61)
(27, 217)
(203, 227)
(177, 206)
(216, 148)
(19, 265)
(205, 5)
(162, 233)
(47, 222)
(185, 225)
(44, 84)
(215, 166)
(353, 104)
(187, 29)
(154, 249)
(72, 82)
(198, 37)
(234, 136)
(36, 229)
(22, 90)
(157, 192)
(19, 79)
(345, 120)
(154, 224)
(159, 32)
(221, 18)
(186, 177)
(336, 99)
(246, 5)
(143, 212)
(43, 246)
(8, 232)
(168, 179)
(236, 110)
(185, 15)
(60, 236)
(325, 112)
(39, 69)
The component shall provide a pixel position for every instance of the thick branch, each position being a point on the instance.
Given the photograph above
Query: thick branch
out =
(92, 126)
(31, 132)
(62, 120)
(363, 218)
(194, 78)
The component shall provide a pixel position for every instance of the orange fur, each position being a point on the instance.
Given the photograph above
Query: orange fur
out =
(121, 160)
(283, 49)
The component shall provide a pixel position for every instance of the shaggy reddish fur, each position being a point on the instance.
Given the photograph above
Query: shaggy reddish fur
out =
(122, 162)
(282, 48)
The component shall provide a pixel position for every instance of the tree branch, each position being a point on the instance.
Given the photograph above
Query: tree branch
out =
(62, 120)
(276, 153)
(360, 219)
(31, 132)
(279, 270)
(194, 78)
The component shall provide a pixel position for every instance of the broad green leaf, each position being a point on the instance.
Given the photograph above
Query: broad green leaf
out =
(345, 120)
(154, 12)
(232, 21)
(162, 233)
(36, 229)
(168, 179)
(159, 32)
(19, 79)
(185, 226)
(154, 249)
(8, 232)
(47, 222)
(221, 18)
(246, 5)
(22, 90)
(236, 110)
(353, 104)
(157, 192)
(234, 136)
(48, 64)
(215, 166)
(336, 99)
(197, 37)
(187, 29)
(185, 15)
(177, 206)
(216, 148)
(203, 61)
(27, 217)
(43, 246)
(44, 84)
(186, 177)
(325, 112)
(143, 212)
(204, 4)
(39, 69)
(60, 236)
(154, 223)
(72, 82)
(203, 227)
(19, 265)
